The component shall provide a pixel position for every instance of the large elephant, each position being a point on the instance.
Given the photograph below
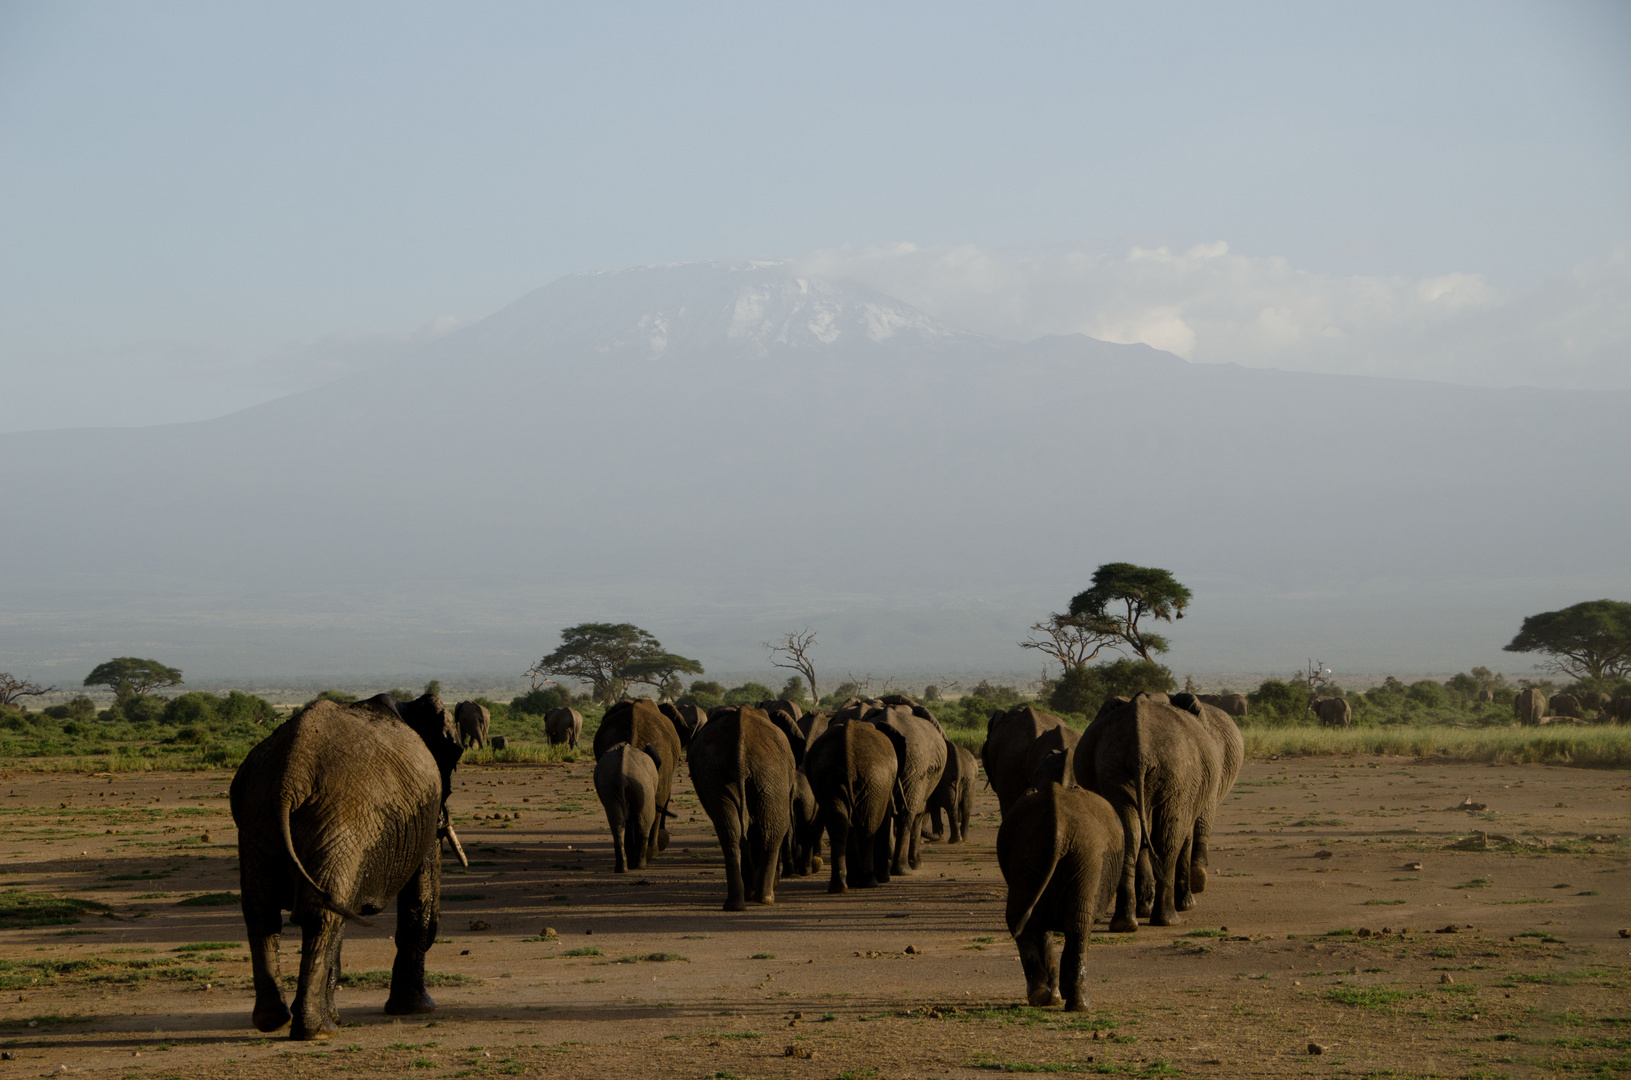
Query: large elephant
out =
(1225, 733)
(804, 838)
(1159, 767)
(1529, 705)
(791, 708)
(852, 773)
(686, 720)
(337, 814)
(626, 781)
(1595, 700)
(1015, 744)
(743, 772)
(563, 725)
(788, 726)
(1061, 854)
(639, 723)
(1619, 709)
(920, 758)
(1333, 711)
(814, 725)
(474, 722)
(954, 795)
(1233, 704)
(1565, 705)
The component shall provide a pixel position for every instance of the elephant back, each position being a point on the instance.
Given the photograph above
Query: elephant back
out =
(640, 723)
(1565, 705)
(792, 708)
(1010, 753)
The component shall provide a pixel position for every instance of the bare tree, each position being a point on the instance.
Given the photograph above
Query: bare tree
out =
(792, 652)
(12, 688)
(1317, 677)
(1071, 641)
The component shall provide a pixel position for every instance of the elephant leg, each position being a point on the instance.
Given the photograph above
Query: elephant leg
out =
(1125, 920)
(1073, 970)
(904, 821)
(1184, 893)
(320, 933)
(728, 827)
(838, 838)
(882, 855)
(334, 984)
(932, 827)
(1041, 973)
(772, 841)
(661, 830)
(265, 924)
(954, 822)
(1164, 861)
(1146, 884)
(416, 922)
(619, 842)
(1199, 858)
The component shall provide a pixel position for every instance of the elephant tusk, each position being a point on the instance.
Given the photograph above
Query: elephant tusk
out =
(453, 838)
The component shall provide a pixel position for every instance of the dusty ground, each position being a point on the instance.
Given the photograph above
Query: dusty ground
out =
(1541, 977)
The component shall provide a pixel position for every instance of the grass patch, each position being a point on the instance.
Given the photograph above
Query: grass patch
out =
(1582, 977)
(1476, 883)
(207, 946)
(19, 908)
(763, 956)
(96, 969)
(1367, 997)
(47, 1020)
(653, 958)
(380, 979)
(209, 899)
(586, 950)
(1205, 933)
(1382, 903)
(1607, 747)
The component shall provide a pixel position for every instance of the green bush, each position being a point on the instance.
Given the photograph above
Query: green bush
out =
(538, 702)
(80, 708)
(1082, 691)
(749, 693)
(1428, 693)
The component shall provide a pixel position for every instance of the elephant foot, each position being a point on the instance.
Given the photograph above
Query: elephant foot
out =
(300, 1031)
(1123, 925)
(1197, 879)
(815, 863)
(736, 905)
(837, 887)
(1186, 902)
(408, 1005)
(272, 1018)
(1077, 1005)
(765, 901)
(1165, 918)
(1043, 996)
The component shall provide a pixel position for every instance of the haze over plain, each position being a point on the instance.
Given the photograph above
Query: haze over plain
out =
(212, 209)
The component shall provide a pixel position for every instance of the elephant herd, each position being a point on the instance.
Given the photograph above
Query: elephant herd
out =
(1533, 707)
(343, 809)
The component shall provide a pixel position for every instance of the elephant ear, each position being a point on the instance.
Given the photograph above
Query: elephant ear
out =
(1186, 702)
(436, 726)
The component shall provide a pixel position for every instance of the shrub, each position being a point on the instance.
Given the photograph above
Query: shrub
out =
(1085, 689)
(1429, 694)
(80, 708)
(538, 702)
(748, 693)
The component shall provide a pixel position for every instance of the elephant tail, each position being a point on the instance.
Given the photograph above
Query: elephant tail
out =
(1025, 895)
(326, 898)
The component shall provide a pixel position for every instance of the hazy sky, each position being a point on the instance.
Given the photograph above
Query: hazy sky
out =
(205, 204)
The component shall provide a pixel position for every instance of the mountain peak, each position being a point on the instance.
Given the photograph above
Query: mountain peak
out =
(744, 308)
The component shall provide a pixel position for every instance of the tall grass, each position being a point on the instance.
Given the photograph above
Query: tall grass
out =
(1588, 747)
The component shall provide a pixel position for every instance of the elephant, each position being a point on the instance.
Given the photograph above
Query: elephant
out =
(1565, 705)
(1595, 700)
(686, 720)
(498, 742)
(955, 793)
(337, 813)
(1223, 730)
(1485, 695)
(1530, 705)
(743, 770)
(791, 708)
(813, 724)
(788, 726)
(1333, 711)
(473, 720)
(1015, 743)
(563, 725)
(626, 781)
(1160, 768)
(1061, 853)
(920, 758)
(1619, 709)
(852, 769)
(803, 855)
(639, 723)
(1233, 704)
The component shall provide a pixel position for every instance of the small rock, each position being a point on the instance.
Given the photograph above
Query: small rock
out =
(1446, 979)
(548, 932)
(1451, 929)
(588, 931)
(464, 952)
(7, 1056)
(796, 1051)
(798, 1016)
(911, 950)
(1316, 1048)
(1323, 853)
(479, 924)
(1364, 931)
(205, 837)
(1625, 931)
(1412, 866)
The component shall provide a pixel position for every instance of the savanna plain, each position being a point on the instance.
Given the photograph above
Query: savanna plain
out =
(1371, 916)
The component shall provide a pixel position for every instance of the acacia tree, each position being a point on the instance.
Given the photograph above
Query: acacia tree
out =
(1123, 594)
(608, 656)
(662, 673)
(1591, 640)
(12, 688)
(792, 651)
(129, 676)
(1071, 641)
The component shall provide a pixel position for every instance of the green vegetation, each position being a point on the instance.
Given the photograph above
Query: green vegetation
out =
(653, 958)
(1368, 997)
(611, 656)
(96, 969)
(130, 676)
(19, 908)
(1587, 641)
(380, 979)
(192, 731)
(210, 899)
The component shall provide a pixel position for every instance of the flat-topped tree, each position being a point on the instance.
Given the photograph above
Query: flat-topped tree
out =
(1591, 640)
(128, 676)
(662, 673)
(609, 656)
(1123, 594)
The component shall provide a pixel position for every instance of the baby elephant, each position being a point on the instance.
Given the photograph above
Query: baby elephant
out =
(626, 781)
(1060, 852)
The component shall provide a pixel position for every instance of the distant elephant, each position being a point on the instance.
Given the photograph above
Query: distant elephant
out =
(920, 759)
(813, 724)
(498, 742)
(788, 726)
(1595, 700)
(639, 723)
(337, 814)
(563, 725)
(1015, 744)
(1159, 767)
(743, 772)
(852, 769)
(1233, 704)
(626, 781)
(686, 720)
(791, 708)
(1619, 709)
(954, 795)
(1333, 711)
(473, 720)
(1565, 705)
(1486, 695)
(1061, 853)
(804, 838)
(1530, 705)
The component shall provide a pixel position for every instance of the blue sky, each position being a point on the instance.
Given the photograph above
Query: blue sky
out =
(191, 188)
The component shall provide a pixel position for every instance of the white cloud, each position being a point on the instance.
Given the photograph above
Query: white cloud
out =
(1211, 305)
